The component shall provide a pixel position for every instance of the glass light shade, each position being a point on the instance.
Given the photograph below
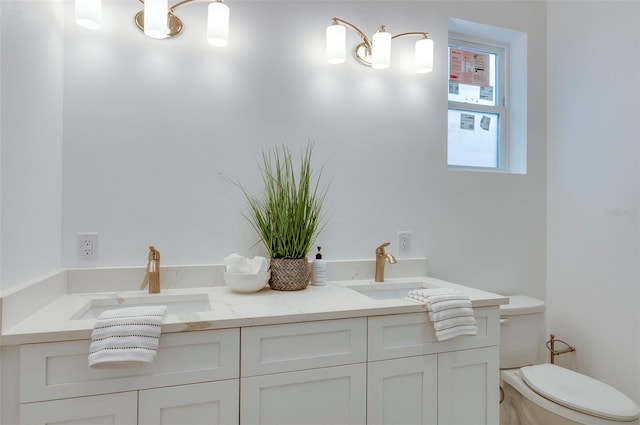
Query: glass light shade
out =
(336, 44)
(381, 50)
(424, 55)
(89, 13)
(218, 24)
(156, 15)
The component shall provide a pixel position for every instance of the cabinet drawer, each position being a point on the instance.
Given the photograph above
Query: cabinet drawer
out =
(403, 335)
(297, 346)
(60, 369)
(120, 408)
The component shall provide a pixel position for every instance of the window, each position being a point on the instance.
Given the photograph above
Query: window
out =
(477, 116)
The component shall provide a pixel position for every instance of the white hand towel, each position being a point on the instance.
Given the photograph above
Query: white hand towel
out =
(235, 263)
(126, 336)
(449, 310)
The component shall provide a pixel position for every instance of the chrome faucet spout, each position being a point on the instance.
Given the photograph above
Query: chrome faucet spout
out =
(152, 275)
(381, 258)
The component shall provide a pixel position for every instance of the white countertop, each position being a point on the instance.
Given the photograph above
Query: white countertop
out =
(54, 322)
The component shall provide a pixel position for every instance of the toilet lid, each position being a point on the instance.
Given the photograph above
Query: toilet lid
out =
(579, 392)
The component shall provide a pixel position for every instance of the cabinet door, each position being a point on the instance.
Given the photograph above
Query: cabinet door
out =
(121, 409)
(332, 395)
(468, 386)
(403, 391)
(209, 403)
(56, 370)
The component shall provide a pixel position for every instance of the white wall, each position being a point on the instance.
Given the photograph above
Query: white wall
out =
(594, 187)
(149, 126)
(31, 80)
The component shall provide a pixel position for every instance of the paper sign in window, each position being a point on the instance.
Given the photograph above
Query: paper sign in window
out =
(486, 93)
(467, 121)
(468, 67)
(485, 123)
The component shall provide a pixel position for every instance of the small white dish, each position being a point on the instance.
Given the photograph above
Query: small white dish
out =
(247, 282)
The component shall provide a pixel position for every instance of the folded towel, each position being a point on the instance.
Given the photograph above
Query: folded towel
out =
(449, 310)
(126, 336)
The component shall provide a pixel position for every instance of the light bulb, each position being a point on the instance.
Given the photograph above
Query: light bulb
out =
(336, 44)
(218, 24)
(424, 55)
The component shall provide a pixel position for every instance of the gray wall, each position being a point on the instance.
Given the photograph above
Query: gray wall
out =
(150, 125)
(594, 187)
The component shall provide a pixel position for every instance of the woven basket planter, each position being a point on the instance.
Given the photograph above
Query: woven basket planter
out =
(289, 274)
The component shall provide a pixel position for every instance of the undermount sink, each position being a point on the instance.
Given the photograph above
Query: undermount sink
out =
(387, 290)
(176, 303)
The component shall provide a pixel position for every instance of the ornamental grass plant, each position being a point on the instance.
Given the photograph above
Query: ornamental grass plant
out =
(288, 216)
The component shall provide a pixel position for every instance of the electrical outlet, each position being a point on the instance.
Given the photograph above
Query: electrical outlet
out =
(404, 241)
(88, 245)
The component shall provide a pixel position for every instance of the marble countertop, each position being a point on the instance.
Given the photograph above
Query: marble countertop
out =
(55, 320)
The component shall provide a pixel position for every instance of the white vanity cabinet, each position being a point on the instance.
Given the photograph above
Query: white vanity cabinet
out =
(194, 377)
(304, 373)
(387, 369)
(414, 379)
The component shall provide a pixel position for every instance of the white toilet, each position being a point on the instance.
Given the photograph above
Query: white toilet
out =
(547, 394)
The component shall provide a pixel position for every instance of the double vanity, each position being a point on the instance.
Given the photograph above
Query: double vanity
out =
(351, 352)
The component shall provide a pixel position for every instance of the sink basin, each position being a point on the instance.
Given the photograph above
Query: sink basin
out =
(387, 290)
(176, 303)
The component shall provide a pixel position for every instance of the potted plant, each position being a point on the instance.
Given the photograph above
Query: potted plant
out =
(288, 216)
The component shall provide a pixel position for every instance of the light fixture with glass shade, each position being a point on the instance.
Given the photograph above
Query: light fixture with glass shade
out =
(158, 20)
(336, 44)
(218, 24)
(155, 17)
(376, 52)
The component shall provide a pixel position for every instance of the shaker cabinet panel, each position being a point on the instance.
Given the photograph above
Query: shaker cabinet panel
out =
(109, 409)
(468, 387)
(332, 395)
(403, 391)
(413, 334)
(298, 346)
(211, 403)
(60, 369)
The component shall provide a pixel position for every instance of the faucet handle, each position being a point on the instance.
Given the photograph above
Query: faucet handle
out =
(152, 266)
(154, 254)
(380, 249)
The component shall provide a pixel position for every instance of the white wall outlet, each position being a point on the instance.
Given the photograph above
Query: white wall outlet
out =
(404, 241)
(88, 245)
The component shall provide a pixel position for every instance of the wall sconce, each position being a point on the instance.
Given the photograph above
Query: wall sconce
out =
(157, 19)
(376, 53)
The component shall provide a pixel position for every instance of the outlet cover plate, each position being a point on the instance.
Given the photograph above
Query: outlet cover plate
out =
(88, 245)
(404, 241)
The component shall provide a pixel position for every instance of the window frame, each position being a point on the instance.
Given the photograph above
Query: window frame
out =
(501, 50)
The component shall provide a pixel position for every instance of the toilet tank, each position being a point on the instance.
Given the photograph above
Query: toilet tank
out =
(521, 331)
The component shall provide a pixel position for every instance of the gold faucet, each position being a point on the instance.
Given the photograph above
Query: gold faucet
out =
(152, 276)
(381, 257)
